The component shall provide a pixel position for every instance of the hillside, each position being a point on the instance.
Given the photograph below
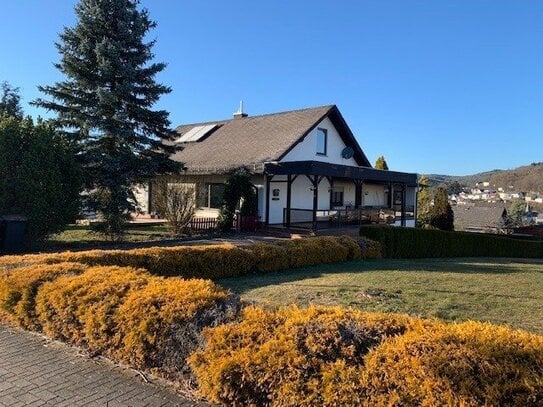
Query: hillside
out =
(527, 178)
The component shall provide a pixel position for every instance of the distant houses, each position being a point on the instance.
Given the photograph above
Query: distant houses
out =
(480, 219)
(483, 208)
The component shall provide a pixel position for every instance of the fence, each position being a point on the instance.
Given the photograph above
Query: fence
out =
(241, 223)
(203, 224)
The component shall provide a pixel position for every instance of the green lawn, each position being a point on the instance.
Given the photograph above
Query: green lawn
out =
(495, 290)
(76, 237)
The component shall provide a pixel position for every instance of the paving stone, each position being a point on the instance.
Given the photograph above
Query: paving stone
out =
(35, 372)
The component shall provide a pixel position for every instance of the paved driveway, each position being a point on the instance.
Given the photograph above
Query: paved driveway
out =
(36, 372)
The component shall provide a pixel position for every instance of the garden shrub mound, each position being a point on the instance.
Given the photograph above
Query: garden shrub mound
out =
(401, 242)
(285, 357)
(212, 261)
(160, 325)
(333, 357)
(146, 321)
(19, 287)
(469, 364)
(81, 309)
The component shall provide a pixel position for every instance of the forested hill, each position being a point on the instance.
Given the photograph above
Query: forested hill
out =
(527, 178)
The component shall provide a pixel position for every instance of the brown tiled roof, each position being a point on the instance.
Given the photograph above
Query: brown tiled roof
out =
(482, 217)
(253, 140)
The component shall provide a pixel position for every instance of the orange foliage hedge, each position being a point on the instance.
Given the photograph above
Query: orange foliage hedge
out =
(337, 357)
(80, 309)
(160, 324)
(469, 364)
(147, 321)
(284, 357)
(212, 261)
(19, 286)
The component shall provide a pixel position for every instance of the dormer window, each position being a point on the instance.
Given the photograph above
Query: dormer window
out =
(322, 141)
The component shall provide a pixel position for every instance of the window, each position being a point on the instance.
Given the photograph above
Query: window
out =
(210, 195)
(322, 136)
(337, 196)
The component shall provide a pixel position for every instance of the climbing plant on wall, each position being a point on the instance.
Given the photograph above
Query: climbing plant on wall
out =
(239, 193)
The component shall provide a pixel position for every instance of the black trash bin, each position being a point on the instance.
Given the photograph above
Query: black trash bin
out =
(12, 233)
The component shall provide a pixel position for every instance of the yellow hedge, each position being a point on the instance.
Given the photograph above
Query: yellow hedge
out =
(19, 286)
(469, 364)
(211, 261)
(338, 357)
(284, 357)
(80, 309)
(313, 251)
(159, 325)
(146, 321)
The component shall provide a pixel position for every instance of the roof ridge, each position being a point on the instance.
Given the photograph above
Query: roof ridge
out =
(223, 121)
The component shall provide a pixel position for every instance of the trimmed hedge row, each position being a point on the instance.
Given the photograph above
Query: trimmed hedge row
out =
(401, 242)
(212, 261)
(338, 357)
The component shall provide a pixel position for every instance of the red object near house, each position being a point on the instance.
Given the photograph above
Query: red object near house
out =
(248, 223)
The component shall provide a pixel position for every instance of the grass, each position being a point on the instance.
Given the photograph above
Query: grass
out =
(495, 290)
(75, 237)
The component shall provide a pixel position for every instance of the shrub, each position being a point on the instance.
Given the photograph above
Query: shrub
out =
(149, 322)
(370, 249)
(334, 356)
(468, 364)
(38, 176)
(212, 261)
(401, 242)
(80, 309)
(19, 287)
(313, 251)
(270, 257)
(286, 357)
(176, 203)
(159, 325)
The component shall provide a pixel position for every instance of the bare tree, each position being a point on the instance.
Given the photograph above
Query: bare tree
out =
(176, 203)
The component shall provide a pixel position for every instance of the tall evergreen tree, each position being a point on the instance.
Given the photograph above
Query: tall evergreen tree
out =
(441, 214)
(10, 101)
(381, 163)
(105, 105)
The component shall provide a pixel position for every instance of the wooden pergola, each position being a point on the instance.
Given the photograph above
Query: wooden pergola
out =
(316, 171)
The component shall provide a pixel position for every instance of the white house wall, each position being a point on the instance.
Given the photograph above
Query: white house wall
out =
(302, 196)
(373, 195)
(306, 150)
(349, 193)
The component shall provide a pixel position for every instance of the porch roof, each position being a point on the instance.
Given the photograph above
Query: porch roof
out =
(340, 171)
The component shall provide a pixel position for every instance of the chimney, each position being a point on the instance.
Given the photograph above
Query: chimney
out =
(240, 114)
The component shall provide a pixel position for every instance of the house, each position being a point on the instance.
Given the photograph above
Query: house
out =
(306, 166)
(481, 219)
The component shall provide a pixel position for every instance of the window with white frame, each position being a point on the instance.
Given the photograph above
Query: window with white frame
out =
(322, 141)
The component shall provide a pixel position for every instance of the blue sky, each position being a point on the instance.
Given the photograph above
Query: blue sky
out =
(436, 86)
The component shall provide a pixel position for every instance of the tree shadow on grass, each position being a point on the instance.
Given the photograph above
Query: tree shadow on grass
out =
(241, 285)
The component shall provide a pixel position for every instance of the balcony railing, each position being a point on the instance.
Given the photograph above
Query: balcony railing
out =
(329, 218)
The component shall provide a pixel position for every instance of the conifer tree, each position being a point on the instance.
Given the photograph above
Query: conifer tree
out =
(381, 163)
(10, 101)
(424, 200)
(105, 103)
(441, 214)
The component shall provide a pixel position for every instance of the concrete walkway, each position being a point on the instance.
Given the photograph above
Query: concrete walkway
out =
(38, 372)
